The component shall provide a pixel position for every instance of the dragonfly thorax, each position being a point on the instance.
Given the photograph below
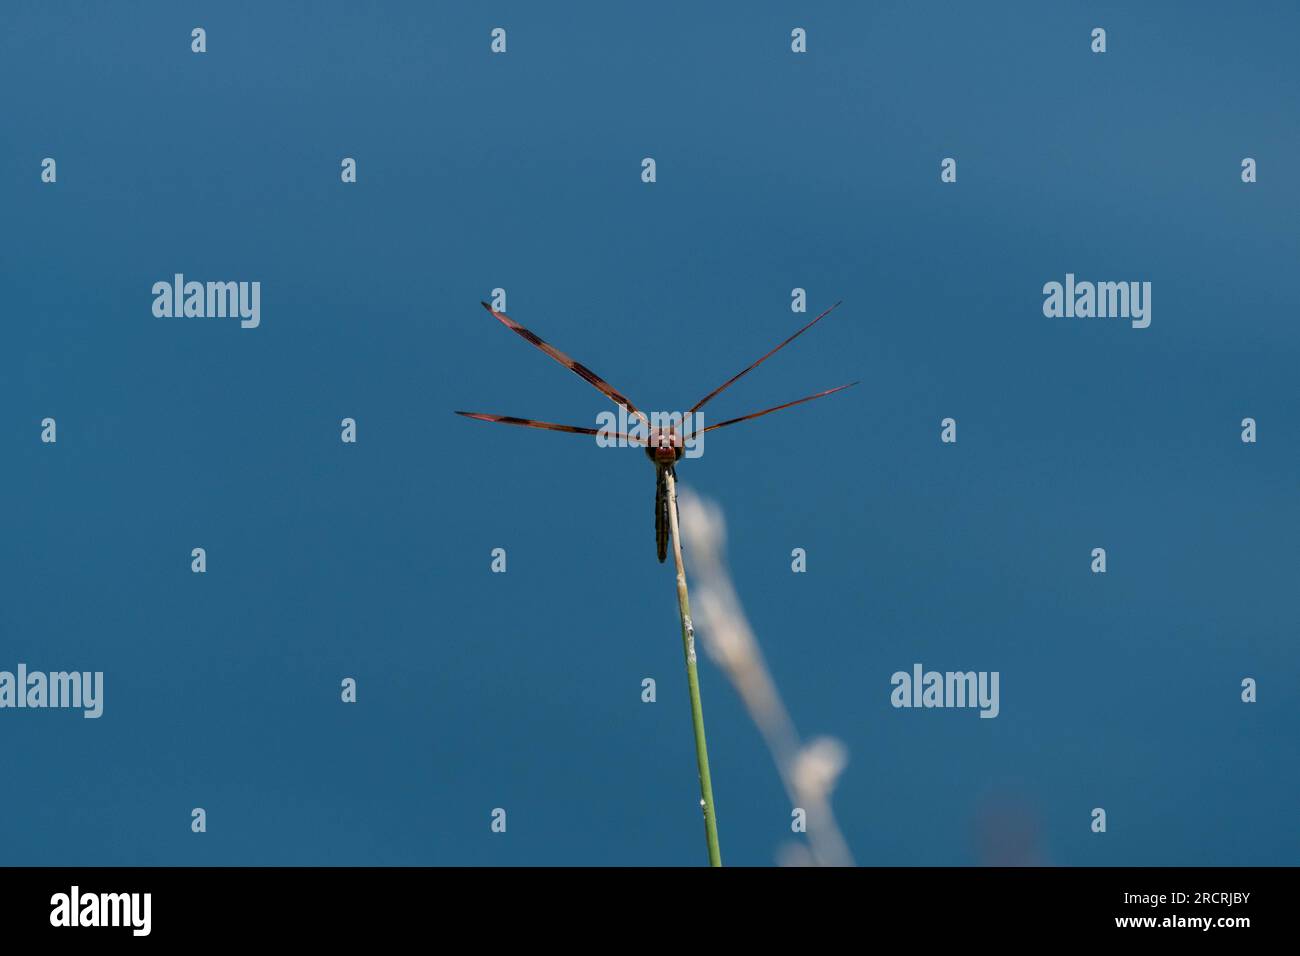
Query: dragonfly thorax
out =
(664, 446)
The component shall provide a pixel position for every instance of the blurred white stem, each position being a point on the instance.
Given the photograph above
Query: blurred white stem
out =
(808, 772)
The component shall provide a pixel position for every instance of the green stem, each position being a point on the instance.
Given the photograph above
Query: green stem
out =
(693, 682)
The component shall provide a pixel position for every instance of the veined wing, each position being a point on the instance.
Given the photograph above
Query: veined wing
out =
(551, 426)
(777, 408)
(586, 374)
(746, 371)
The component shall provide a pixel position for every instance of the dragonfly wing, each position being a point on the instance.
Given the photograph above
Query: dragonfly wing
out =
(586, 374)
(551, 426)
(777, 408)
(746, 371)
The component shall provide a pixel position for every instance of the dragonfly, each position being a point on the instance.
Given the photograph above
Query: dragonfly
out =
(663, 445)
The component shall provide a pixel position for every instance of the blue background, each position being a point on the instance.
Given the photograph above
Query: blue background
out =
(522, 690)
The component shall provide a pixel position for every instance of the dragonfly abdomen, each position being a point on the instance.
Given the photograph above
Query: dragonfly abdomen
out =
(661, 511)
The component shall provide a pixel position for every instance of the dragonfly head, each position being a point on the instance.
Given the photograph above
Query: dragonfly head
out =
(664, 446)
